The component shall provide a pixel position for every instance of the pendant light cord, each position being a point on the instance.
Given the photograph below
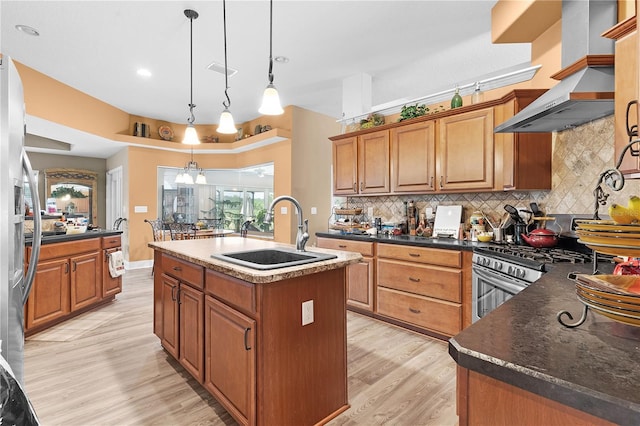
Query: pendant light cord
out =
(226, 104)
(270, 41)
(191, 14)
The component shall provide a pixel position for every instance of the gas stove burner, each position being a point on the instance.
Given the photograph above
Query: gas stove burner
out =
(542, 255)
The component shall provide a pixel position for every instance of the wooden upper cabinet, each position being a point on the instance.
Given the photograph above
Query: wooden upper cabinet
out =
(522, 160)
(345, 166)
(373, 163)
(465, 151)
(361, 164)
(413, 160)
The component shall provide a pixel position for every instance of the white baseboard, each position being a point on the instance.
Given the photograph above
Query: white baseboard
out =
(140, 264)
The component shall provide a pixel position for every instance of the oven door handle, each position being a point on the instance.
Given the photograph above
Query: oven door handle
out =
(506, 283)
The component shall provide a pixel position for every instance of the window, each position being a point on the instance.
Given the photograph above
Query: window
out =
(230, 198)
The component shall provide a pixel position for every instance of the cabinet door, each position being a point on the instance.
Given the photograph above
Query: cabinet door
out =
(345, 166)
(49, 298)
(373, 163)
(465, 151)
(360, 278)
(110, 286)
(86, 280)
(191, 304)
(626, 87)
(230, 354)
(413, 157)
(170, 317)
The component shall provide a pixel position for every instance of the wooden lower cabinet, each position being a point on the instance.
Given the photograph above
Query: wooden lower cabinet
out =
(86, 280)
(49, 298)
(182, 313)
(110, 285)
(259, 361)
(69, 280)
(482, 400)
(425, 287)
(230, 356)
(360, 276)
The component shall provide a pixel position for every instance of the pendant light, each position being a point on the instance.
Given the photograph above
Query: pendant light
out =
(226, 125)
(190, 134)
(190, 169)
(271, 99)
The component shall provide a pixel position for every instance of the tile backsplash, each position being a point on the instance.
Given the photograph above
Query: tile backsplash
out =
(580, 155)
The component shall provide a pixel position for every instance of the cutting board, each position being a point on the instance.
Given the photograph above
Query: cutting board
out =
(447, 222)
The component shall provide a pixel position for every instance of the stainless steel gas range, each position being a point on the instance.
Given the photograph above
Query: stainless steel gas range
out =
(501, 271)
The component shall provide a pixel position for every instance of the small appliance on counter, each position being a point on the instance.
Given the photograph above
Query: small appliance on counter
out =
(447, 222)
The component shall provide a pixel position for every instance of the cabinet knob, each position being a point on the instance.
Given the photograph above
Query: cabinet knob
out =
(431, 182)
(415, 280)
(414, 254)
(415, 311)
(441, 182)
(355, 186)
(342, 246)
(361, 186)
(177, 268)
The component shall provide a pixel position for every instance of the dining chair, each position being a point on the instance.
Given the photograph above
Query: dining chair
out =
(182, 231)
(156, 228)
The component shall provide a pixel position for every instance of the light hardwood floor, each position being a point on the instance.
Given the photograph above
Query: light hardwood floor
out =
(107, 367)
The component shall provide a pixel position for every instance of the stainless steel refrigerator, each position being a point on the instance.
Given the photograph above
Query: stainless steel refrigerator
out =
(14, 170)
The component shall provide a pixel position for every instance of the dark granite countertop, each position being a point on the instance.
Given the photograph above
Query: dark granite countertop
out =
(407, 240)
(594, 367)
(60, 238)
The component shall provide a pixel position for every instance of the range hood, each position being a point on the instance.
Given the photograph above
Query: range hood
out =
(586, 90)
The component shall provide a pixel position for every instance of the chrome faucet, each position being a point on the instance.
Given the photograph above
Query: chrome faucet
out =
(303, 234)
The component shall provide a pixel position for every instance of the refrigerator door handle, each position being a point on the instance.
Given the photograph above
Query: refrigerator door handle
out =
(37, 229)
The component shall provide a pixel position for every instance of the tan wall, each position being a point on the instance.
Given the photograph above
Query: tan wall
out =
(312, 167)
(54, 101)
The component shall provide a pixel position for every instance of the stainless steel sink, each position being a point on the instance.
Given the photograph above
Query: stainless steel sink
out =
(272, 258)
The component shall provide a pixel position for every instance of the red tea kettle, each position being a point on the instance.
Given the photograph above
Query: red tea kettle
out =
(540, 238)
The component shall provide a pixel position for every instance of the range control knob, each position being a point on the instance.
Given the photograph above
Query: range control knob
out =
(510, 270)
(497, 265)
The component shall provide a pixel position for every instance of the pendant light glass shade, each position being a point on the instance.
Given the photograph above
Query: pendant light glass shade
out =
(201, 179)
(271, 102)
(179, 177)
(188, 180)
(227, 125)
(190, 136)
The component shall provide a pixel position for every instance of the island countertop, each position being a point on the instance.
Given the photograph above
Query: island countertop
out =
(199, 251)
(594, 367)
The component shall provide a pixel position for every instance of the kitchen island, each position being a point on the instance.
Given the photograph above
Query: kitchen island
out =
(519, 365)
(270, 345)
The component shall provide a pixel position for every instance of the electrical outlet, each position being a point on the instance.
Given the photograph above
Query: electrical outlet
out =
(314, 210)
(283, 210)
(307, 312)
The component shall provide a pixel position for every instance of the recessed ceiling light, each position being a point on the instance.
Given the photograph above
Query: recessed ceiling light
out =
(281, 59)
(143, 72)
(28, 30)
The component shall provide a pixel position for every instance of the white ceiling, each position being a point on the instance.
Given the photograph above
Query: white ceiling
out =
(410, 48)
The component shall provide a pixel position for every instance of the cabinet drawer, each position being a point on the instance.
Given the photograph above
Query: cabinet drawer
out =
(433, 281)
(433, 256)
(111, 242)
(441, 316)
(69, 248)
(184, 271)
(240, 294)
(364, 248)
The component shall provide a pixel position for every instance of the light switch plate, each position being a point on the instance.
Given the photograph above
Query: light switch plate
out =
(314, 210)
(307, 312)
(140, 209)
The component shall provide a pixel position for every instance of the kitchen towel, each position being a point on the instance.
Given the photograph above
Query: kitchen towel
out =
(116, 264)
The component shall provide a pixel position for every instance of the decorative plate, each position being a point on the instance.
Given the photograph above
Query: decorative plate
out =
(605, 225)
(613, 250)
(165, 133)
